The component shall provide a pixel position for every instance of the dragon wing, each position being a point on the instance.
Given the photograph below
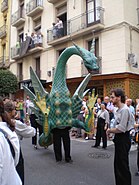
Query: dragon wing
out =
(38, 88)
(78, 95)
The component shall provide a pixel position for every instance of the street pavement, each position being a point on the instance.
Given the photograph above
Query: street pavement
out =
(91, 166)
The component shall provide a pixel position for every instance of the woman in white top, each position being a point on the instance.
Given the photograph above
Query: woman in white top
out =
(8, 174)
(102, 125)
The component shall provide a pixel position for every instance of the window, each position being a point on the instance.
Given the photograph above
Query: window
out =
(21, 9)
(38, 72)
(4, 53)
(20, 35)
(37, 25)
(96, 49)
(62, 15)
(93, 9)
(5, 20)
(20, 71)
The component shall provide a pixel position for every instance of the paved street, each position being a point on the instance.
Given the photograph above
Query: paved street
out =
(90, 166)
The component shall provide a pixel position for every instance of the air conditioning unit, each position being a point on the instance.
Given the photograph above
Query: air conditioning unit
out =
(133, 60)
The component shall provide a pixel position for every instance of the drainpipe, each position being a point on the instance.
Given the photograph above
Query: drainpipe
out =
(10, 12)
(138, 10)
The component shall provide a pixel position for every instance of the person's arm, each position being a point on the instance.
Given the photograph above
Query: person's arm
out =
(136, 125)
(137, 110)
(113, 130)
(107, 118)
(1, 159)
(24, 130)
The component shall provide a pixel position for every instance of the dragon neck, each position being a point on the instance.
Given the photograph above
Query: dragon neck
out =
(60, 73)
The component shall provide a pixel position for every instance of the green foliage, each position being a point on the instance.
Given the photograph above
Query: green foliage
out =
(8, 82)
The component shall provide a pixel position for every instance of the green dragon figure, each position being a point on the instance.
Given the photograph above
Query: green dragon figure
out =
(59, 109)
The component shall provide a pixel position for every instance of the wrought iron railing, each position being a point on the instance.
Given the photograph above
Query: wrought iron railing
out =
(18, 50)
(20, 13)
(15, 51)
(33, 4)
(4, 5)
(3, 30)
(78, 23)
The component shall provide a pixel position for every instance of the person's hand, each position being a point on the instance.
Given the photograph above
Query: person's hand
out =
(108, 131)
(105, 127)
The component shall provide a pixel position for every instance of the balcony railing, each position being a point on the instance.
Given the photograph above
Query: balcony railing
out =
(34, 7)
(4, 5)
(26, 48)
(4, 61)
(3, 31)
(53, 1)
(82, 22)
(18, 17)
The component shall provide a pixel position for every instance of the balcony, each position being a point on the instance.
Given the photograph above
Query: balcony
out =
(34, 8)
(4, 6)
(53, 1)
(3, 31)
(79, 25)
(24, 49)
(4, 62)
(18, 18)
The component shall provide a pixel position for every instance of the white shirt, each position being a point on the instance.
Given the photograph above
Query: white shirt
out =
(124, 120)
(23, 130)
(8, 173)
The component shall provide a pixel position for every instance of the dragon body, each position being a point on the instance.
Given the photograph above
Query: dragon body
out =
(58, 109)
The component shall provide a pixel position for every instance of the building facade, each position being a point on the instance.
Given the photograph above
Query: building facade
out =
(113, 25)
(5, 7)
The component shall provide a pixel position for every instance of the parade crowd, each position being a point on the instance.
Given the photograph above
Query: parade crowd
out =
(116, 118)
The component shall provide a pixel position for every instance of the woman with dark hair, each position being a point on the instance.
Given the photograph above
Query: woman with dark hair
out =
(9, 150)
(23, 131)
(102, 125)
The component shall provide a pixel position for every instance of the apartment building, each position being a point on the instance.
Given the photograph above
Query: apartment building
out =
(5, 6)
(113, 25)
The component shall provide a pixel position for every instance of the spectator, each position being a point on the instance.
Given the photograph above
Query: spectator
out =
(122, 139)
(81, 117)
(34, 124)
(27, 102)
(137, 127)
(39, 39)
(32, 45)
(9, 150)
(54, 31)
(23, 131)
(59, 26)
(129, 104)
(97, 107)
(102, 125)
(110, 108)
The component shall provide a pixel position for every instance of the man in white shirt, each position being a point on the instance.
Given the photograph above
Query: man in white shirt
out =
(122, 139)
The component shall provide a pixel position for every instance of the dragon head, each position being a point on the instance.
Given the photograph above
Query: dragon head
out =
(89, 58)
